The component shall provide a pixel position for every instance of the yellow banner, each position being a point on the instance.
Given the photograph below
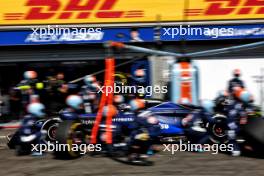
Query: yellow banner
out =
(28, 12)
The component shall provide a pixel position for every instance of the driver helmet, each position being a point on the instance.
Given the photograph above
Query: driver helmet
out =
(137, 104)
(30, 75)
(74, 101)
(36, 109)
(208, 106)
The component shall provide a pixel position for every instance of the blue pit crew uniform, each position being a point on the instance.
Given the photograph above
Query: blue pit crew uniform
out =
(236, 111)
(145, 131)
(69, 114)
(30, 131)
(198, 115)
(90, 98)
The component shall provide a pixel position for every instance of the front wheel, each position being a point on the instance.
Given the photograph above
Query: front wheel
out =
(51, 126)
(69, 135)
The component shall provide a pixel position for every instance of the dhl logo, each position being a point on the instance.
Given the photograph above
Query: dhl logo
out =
(73, 9)
(228, 7)
(119, 11)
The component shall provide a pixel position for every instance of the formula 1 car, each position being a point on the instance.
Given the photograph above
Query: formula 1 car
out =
(168, 114)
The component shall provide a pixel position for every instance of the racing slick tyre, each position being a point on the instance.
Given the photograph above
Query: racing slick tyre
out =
(13, 139)
(51, 126)
(218, 130)
(19, 147)
(24, 149)
(70, 134)
(253, 132)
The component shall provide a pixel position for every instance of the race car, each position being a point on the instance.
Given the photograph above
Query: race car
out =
(169, 116)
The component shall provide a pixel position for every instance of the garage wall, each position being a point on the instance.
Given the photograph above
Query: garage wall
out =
(97, 51)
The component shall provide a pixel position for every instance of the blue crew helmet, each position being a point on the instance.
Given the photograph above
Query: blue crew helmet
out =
(208, 105)
(245, 96)
(36, 109)
(74, 101)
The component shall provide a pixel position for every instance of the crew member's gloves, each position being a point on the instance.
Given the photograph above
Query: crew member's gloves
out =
(142, 136)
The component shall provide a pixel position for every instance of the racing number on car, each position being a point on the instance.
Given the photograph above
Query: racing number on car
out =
(226, 7)
(163, 126)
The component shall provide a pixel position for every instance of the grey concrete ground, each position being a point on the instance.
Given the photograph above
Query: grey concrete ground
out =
(182, 163)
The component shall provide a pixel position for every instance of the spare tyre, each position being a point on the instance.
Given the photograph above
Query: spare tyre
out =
(254, 133)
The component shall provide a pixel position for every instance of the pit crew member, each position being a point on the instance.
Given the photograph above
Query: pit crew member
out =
(237, 115)
(30, 129)
(74, 109)
(145, 131)
(89, 94)
(236, 81)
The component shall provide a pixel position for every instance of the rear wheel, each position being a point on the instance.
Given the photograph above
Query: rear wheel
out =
(218, 130)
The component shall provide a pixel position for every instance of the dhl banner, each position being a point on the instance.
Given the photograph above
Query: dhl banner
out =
(29, 12)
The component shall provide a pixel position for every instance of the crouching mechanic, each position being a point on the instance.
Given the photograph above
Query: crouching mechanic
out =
(144, 133)
(30, 131)
(74, 109)
(204, 115)
(237, 116)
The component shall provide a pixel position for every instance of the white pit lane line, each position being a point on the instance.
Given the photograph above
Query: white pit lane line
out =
(3, 142)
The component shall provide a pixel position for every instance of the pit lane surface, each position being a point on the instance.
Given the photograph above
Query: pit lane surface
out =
(182, 163)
